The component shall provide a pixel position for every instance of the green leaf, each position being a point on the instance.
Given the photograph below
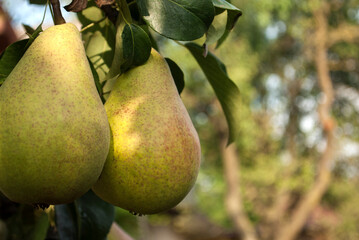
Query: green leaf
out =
(233, 13)
(99, 39)
(97, 217)
(90, 15)
(88, 218)
(178, 19)
(97, 81)
(177, 75)
(217, 29)
(136, 46)
(225, 89)
(12, 54)
(223, 4)
(133, 45)
(10, 57)
(24, 222)
(39, 2)
(28, 29)
(34, 35)
(133, 48)
(152, 39)
(222, 38)
(41, 226)
(66, 221)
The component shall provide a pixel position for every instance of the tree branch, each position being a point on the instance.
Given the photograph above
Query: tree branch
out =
(283, 199)
(343, 33)
(312, 198)
(233, 200)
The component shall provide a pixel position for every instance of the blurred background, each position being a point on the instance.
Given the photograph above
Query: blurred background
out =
(293, 173)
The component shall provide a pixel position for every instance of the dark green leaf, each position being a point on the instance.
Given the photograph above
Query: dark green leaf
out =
(233, 16)
(28, 29)
(10, 58)
(14, 52)
(88, 218)
(136, 46)
(177, 75)
(97, 81)
(34, 35)
(223, 4)
(233, 13)
(225, 89)
(153, 40)
(178, 19)
(66, 221)
(25, 222)
(96, 217)
(39, 2)
(218, 10)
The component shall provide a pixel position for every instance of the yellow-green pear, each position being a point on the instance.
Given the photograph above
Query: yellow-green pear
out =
(155, 151)
(54, 132)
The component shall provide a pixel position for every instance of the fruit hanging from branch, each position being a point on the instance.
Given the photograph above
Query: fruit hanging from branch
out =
(155, 152)
(53, 127)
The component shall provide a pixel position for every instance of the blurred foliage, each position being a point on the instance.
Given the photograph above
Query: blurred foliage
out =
(268, 57)
(280, 140)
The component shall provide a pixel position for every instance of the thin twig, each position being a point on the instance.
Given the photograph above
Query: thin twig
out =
(233, 200)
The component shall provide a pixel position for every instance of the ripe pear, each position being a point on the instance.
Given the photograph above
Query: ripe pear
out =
(54, 132)
(155, 152)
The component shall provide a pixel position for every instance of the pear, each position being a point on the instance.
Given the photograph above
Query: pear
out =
(155, 152)
(54, 132)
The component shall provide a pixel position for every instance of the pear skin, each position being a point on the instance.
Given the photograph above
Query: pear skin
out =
(155, 152)
(54, 132)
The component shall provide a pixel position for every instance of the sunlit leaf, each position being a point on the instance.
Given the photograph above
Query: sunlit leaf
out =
(225, 89)
(233, 13)
(217, 29)
(41, 226)
(99, 39)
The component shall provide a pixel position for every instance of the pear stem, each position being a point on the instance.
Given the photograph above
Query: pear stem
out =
(58, 18)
